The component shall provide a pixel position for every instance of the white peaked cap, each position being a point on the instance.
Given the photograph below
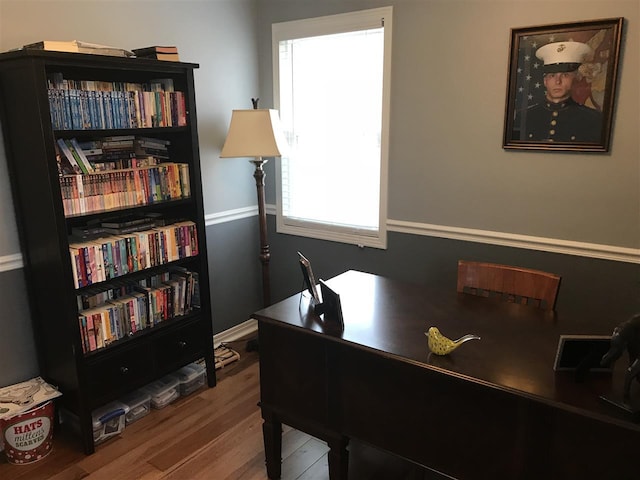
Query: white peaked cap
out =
(563, 56)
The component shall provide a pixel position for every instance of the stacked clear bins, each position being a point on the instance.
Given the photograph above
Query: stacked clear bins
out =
(111, 419)
(163, 391)
(190, 377)
(108, 420)
(139, 403)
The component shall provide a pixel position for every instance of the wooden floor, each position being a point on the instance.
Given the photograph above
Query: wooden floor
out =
(213, 434)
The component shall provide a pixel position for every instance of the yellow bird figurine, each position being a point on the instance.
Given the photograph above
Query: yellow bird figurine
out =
(441, 345)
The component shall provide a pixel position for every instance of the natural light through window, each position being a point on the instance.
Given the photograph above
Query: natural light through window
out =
(331, 91)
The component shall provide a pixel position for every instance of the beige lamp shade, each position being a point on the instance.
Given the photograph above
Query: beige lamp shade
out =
(254, 133)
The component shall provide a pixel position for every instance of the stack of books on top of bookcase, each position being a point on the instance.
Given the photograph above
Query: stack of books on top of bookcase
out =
(158, 52)
(77, 46)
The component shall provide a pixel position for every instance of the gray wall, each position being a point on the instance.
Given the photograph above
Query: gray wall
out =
(448, 173)
(589, 287)
(447, 168)
(18, 359)
(8, 232)
(448, 88)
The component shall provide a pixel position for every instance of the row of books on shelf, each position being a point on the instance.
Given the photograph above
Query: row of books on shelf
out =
(57, 81)
(111, 256)
(131, 187)
(110, 315)
(97, 109)
(109, 153)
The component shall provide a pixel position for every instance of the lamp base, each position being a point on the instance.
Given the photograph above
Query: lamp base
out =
(253, 345)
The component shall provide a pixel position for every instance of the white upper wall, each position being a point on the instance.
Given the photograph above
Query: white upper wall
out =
(219, 35)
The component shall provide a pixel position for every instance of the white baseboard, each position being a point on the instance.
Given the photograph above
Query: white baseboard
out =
(236, 332)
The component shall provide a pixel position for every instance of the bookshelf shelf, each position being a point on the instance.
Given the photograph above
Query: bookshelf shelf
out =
(94, 366)
(152, 131)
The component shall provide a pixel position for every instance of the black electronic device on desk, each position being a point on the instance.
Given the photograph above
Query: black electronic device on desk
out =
(331, 307)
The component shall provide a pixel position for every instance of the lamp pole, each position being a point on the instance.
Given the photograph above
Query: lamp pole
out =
(265, 256)
(257, 134)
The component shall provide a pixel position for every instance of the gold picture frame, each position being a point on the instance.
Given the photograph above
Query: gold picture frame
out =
(562, 96)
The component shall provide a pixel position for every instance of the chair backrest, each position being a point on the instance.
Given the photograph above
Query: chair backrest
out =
(512, 284)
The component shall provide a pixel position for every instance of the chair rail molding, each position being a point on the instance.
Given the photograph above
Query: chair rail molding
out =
(230, 215)
(554, 245)
(568, 247)
(11, 262)
(505, 239)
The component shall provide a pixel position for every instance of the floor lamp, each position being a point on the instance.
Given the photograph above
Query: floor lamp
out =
(257, 133)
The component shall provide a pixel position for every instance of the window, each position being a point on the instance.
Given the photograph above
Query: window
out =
(331, 87)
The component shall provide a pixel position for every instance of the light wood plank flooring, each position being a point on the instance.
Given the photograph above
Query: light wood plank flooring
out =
(213, 434)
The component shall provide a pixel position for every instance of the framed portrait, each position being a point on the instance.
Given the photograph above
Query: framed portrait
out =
(308, 277)
(561, 86)
(582, 352)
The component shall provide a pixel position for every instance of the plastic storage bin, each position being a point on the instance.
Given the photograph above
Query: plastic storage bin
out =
(108, 420)
(190, 377)
(163, 391)
(139, 403)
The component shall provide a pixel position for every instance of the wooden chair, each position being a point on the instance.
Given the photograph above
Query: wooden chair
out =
(511, 284)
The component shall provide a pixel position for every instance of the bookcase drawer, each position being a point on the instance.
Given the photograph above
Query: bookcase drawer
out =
(180, 345)
(120, 372)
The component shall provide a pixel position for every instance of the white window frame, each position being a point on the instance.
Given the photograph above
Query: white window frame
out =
(334, 24)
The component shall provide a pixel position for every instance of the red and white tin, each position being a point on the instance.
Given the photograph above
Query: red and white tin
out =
(28, 436)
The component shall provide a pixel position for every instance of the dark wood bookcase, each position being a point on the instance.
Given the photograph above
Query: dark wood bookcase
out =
(89, 379)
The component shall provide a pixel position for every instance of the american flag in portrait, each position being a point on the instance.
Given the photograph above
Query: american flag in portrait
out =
(529, 84)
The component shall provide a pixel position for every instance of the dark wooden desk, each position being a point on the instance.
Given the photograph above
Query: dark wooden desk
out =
(494, 408)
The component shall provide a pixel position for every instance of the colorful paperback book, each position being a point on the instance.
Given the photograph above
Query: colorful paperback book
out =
(70, 157)
(83, 158)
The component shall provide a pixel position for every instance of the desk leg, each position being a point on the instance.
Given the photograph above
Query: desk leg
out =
(338, 459)
(272, 435)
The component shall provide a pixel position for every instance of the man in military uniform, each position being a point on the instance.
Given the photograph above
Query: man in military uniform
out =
(559, 118)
